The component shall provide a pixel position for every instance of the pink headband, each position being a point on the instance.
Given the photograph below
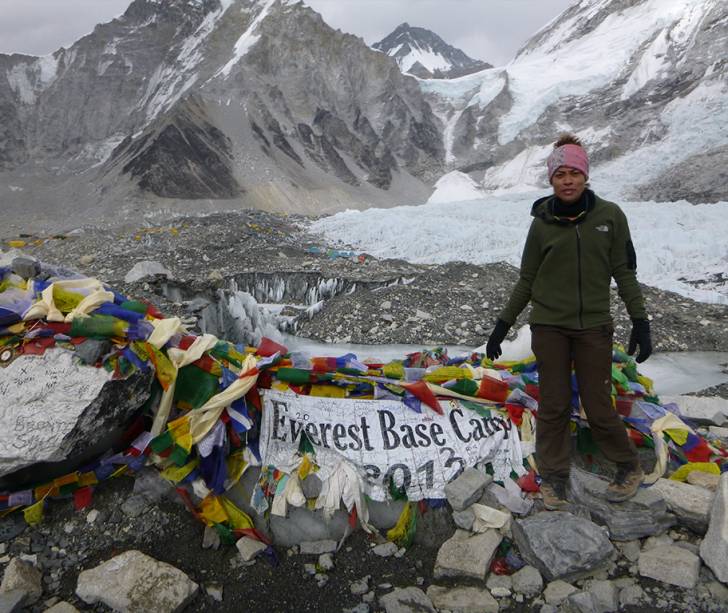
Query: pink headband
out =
(568, 155)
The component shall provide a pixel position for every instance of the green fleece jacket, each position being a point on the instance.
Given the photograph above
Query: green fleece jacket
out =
(567, 267)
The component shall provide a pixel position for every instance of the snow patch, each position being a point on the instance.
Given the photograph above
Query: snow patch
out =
(456, 186)
(526, 171)
(247, 40)
(651, 64)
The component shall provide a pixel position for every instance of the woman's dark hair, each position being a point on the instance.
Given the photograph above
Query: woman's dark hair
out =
(567, 139)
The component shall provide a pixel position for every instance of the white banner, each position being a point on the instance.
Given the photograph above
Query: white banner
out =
(386, 440)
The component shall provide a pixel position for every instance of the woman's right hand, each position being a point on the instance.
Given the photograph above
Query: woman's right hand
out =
(493, 348)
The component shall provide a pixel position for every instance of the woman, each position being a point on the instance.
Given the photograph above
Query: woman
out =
(576, 244)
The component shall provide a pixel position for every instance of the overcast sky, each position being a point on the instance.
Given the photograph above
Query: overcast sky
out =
(490, 30)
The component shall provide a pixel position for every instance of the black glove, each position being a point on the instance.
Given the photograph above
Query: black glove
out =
(640, 336)
(493, 348)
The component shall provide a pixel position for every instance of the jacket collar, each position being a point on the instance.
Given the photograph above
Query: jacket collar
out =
(543, 208)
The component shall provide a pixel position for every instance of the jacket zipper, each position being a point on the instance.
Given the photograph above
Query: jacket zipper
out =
(578, 265)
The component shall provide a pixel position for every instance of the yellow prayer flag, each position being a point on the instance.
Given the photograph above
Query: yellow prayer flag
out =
(34, 513)
(239, 520)
(175, 474)
(211, 511)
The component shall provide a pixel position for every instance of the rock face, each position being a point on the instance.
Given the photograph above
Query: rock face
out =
(644, 515)
(89, 408)
(21, 576)
(424, 54)
(256, 101)
(715, 544)
(462, 599)
(560, 545)
(135, 582)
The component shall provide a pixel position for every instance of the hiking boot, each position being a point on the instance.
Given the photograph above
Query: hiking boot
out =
(626, 482)
(553, 492)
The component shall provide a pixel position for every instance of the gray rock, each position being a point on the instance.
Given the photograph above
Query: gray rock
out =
(702, 410)
(558, 590)
(464, 519)
(500, 592)
(643, 515)
(384, 515)
(499, 581)
(718, 591)
(631, 596)
(92, 350)
(311, 486)
(527, 581)
(249, 548)
(670, 564)
(22, 576)
(580, 602)
(406, 600)
(134, 506)
(302, 525)
(146, 268)
(326, 561)
(467, 555)
(362, 607)
(467, 488)
(25, 267)
(708, 481)
(605, 594)
(630, 550)
(133, 581)
(385, 550)
(214, 591)
(317, 547)
(715, 544)
(12, 600)
(210, 538)
(62, 607)
(562, 546)
(462, 599)
(691, 504)
(11, 526)
(361, 586)
(657, 541)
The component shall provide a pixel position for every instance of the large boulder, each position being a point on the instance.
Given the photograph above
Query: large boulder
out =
(467, 554)
(561, 545)
(645, 514)
(690, 503)
(715, 544)
(57, 413)
(136, 582)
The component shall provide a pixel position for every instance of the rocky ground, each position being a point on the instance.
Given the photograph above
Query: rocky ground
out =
(357, 299)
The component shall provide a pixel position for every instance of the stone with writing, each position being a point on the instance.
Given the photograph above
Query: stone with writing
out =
(56, 413)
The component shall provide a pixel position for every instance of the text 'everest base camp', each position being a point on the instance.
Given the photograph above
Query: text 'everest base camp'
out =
(291, 321)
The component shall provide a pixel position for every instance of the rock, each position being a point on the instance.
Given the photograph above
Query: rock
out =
(311, 486)
(580, 602)
(12, 600)
(86, 259)
(360, 587)
(467, 555)
(386, 305)
(691, 504)
(249, 548)
(25, 267)
(133, 581)
(146, 268)
(326, 561)
(464, 519)
(558, 590)
(643, 515)
(92, 516)
(708, 481)
(62, 607)
(406, 600)
(134, 506)
(500, 592)
(318, 547)
(462, 599)
(657, 541)
(362, 607)
(527, 581)
(718, 431)
(670, 564)
(631, 596)
(606, 595)
(90, 411)
(210, 538)
(214, 591)
(715, 544)
(385, 550)
(20, 575)
(467, 488)
(495, 581)
(92, 350)
(703, 410)
(562, 546)
(718, 591)
(630, 550)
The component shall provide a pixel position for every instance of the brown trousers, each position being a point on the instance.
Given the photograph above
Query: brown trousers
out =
(590, 351)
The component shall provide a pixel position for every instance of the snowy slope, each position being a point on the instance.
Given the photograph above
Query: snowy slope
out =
(423, 53)
(635, 80)
(675, 242)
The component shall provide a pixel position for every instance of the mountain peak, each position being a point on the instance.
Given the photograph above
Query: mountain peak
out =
(422, 53)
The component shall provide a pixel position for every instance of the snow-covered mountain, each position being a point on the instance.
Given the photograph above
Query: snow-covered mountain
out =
(643, 82)
(257, 102)
(423, 53)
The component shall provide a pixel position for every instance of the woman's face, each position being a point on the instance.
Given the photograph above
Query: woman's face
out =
(569, 184)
